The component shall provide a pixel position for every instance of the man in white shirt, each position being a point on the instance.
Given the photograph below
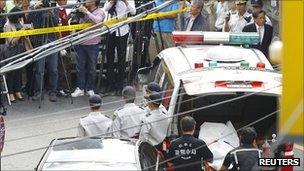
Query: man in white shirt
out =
(265, 31)
(222, 9)
(117, 40)
(95, 123)
(236, 22)
(155, 123)
(127, 116)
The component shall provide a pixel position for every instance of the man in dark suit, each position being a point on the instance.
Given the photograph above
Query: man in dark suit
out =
(265, 31)
(195, 22)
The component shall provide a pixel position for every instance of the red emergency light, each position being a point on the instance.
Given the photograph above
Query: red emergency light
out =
(238, 84)
(194, 37)
(198, 65)
(260, 65)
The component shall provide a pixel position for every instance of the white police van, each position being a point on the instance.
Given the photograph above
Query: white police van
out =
(194, 76)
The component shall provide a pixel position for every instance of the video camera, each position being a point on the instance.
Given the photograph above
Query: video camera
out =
(48, 3)
(76, 14)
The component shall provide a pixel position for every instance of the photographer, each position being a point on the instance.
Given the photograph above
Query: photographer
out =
(15, 45)
(65, 58)
(44, 19)
(117, 39)
(87, 52)
(236, 22)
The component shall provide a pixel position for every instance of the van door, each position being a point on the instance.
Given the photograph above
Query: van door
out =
(164, 78)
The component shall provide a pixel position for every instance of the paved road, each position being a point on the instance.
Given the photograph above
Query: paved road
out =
(29, 127)
(25, 119)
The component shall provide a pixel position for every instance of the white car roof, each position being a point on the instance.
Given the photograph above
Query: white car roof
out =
(203, 81)
(181, 62)
(113, 154)
(180, 59)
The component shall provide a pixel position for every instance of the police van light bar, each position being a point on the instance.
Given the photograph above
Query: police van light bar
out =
(198, 37)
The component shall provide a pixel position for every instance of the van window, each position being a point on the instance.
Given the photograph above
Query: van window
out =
(164, 79)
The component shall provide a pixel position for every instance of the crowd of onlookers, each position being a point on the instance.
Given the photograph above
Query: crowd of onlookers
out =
(203, 15)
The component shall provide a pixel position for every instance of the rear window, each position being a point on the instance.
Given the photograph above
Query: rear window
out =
(72, 144)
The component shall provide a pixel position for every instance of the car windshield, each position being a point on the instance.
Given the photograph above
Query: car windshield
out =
(91, 153)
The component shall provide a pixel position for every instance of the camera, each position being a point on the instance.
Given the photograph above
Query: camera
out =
(48, 3)
(75, 16)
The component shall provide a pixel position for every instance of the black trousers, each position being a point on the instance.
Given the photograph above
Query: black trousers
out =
(14, 81)
(116, 80)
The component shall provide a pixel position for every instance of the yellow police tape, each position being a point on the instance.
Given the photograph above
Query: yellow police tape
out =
(108, 23)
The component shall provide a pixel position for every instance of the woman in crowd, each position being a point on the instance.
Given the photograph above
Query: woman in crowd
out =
(15, 46)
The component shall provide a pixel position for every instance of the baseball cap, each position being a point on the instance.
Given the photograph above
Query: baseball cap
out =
(256, 3)
(153, 86)
(237, 2)
(95, 100)
(129, 92)
(155, 97)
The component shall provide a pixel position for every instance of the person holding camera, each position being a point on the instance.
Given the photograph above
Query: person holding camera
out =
(87, 52)
(64, 77)
(44, 19)
(117, 40)
(15, 45)
(236, 22)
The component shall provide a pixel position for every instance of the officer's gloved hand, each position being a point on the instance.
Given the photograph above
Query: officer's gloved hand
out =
(63, 52)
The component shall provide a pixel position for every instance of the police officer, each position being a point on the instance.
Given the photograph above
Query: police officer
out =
(155, 122)
(236, 22)
(95, 123)
(257, 6)
(246, 156)
(154, 87)
(127, 116)
(188, 152)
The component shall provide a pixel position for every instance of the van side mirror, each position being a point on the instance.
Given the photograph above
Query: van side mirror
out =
(143, 75)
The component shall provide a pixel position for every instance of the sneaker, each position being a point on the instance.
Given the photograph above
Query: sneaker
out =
(90, 92)
(53, 97)
(78, 92)
(62, 93)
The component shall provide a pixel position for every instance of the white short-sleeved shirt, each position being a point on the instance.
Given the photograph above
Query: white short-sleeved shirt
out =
(125, 117)
(94, 124)
(153, 130)
(237, 22)
(221, 12)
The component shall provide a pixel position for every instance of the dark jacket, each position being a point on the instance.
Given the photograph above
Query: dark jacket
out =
(268, 32)
(2, 23)
(40, 19)
(198, 24)
(247, 160)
